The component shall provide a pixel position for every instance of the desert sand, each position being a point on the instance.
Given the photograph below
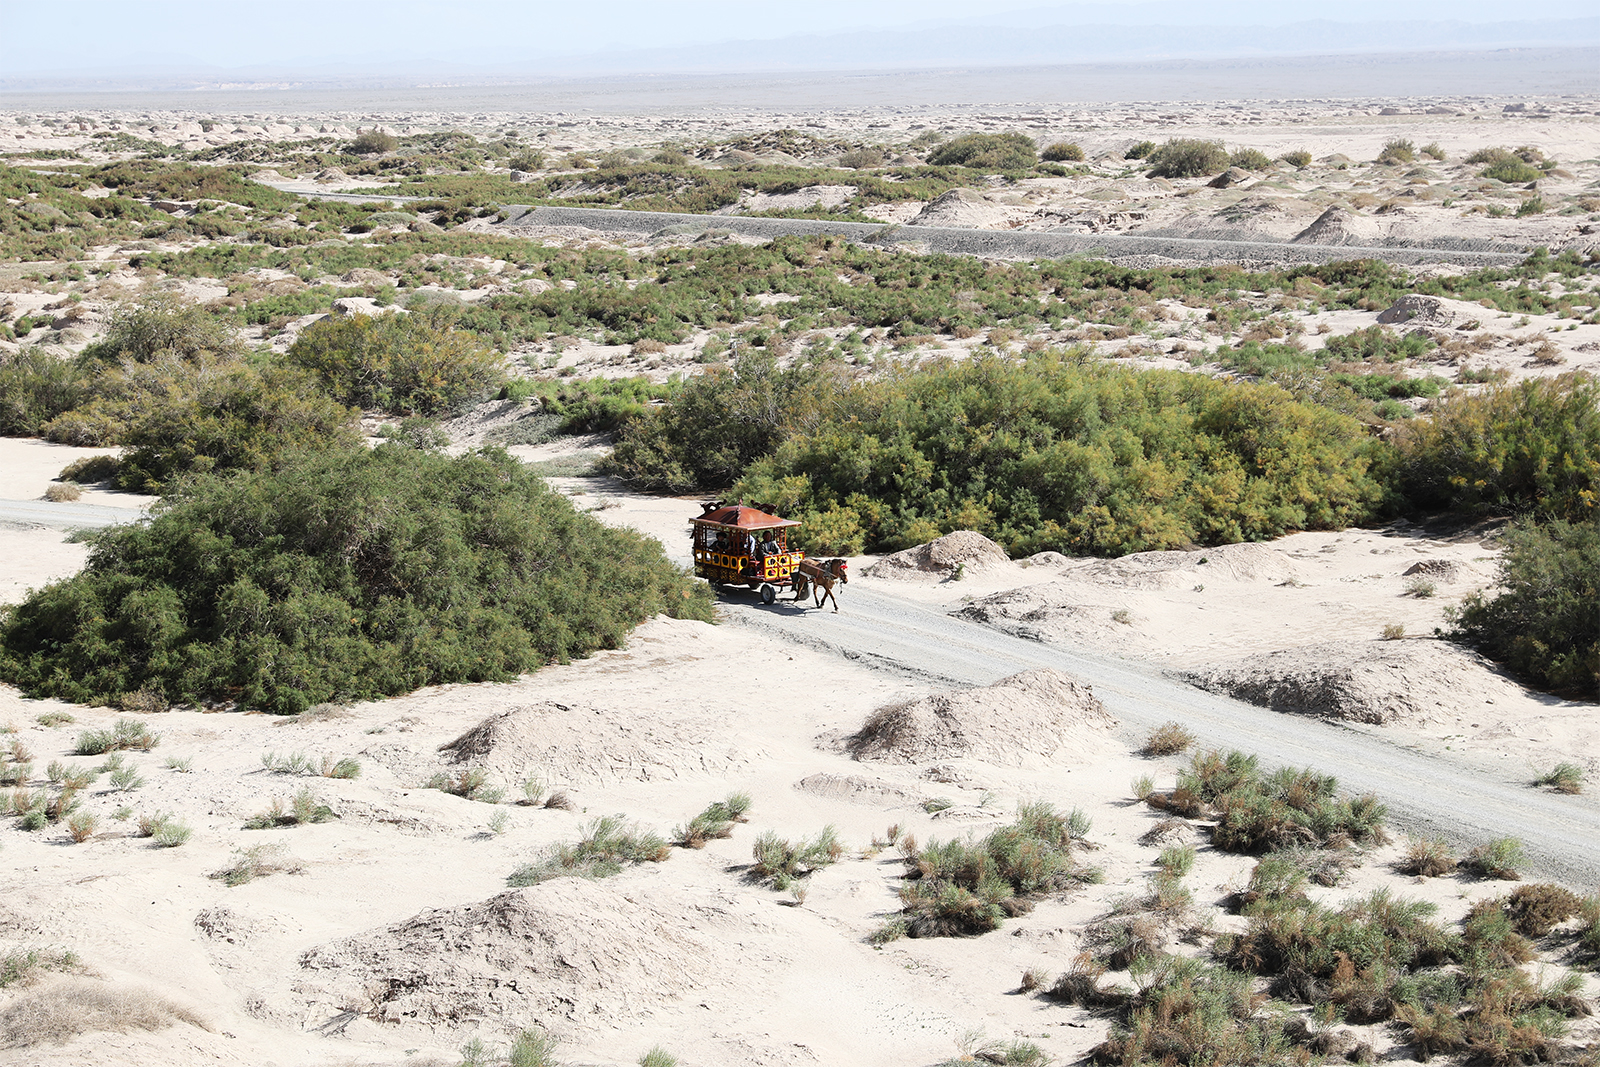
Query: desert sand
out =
(388, 934)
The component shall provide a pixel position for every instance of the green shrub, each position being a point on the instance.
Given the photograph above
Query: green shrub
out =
(177, 416)
(374, 142)
(1263, 813)
(404, 364)
(1534, 205)
(1141, 150)
(1300, 159)
(90, 469)
(163, 326)
(985, 151)
(1063, 152)
(1187, 157)
(716, 822)
(1532, 446)
(254, 862)
(345, 575)
(1432, 150)
(1249, 159)
(1542, 624)
(1512, 172)
(1398, 150)
(1049, 454)
(35, 387)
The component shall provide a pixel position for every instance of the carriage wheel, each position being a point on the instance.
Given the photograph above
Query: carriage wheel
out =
(768, 594)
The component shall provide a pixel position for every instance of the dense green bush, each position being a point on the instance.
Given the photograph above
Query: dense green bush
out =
(1533, 446)
(35, 387)
(720, 423)
(1050, 454)
(340, 575)
(1188, 157)
(1544, 623)
(1300, 159)
(1512, 172)
(374, 142)
(986, 151)
(404, 364)
(1142, 150)
(1249, 159)
(1398, 150)
(1063, 152)
(177, 416)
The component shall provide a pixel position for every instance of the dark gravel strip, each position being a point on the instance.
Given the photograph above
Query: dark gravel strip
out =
(1007, 244)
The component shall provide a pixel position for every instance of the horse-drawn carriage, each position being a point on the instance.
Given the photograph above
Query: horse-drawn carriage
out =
(741, 544)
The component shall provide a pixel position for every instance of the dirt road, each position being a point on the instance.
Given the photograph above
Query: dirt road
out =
(1426, 793)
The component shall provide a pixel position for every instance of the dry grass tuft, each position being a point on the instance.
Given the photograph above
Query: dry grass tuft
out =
(1168, 740)
(60, 1013)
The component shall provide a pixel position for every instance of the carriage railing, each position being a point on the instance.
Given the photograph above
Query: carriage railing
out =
(767, 568)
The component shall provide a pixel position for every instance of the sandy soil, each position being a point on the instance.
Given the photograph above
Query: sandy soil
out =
(391, 937)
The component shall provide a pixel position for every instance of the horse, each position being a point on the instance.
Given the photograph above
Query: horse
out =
(821, 575)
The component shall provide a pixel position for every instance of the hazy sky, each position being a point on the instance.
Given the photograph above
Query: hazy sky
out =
(83, 35)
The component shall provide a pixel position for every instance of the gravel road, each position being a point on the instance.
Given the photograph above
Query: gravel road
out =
(65, 516)
(1129, 249)
(1427, 793)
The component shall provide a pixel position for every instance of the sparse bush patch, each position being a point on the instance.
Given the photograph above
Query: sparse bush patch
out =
(1500, 858)
(608, 844)
(1563, 778)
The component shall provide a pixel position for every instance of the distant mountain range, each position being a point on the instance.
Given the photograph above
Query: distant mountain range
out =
(1037, 37)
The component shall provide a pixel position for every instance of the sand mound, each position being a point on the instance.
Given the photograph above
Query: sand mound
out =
(1054, 611)
(960, 208)
(1418, 311)
(939, 559)
(1181, 570)
(1335, 226)
(569, 948)
(1031, 717)
(586, 742)
(1364, 681)
(855, 789)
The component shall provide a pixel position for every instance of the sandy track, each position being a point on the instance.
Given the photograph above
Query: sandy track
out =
(1010, 244)
(1427, 793)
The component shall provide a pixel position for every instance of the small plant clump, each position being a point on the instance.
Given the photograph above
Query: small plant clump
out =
(1427, 857)
(1500, 858)
(125, 734)
(471, 783)
(257, 861)
(1169, 739)
(1258, 812)
(1186, 157)
(1398, 150)
(608, 844)
(1062, 152)
(782, 862)
(1563, 778)
(303, 808)
(971, 887)
(716, 822)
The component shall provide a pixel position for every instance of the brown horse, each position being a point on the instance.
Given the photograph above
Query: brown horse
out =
(822, 575)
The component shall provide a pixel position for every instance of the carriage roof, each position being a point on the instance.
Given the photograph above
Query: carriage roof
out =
(741, 517)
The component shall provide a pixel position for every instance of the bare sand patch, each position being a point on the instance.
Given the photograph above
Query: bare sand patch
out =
(1026, 719)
